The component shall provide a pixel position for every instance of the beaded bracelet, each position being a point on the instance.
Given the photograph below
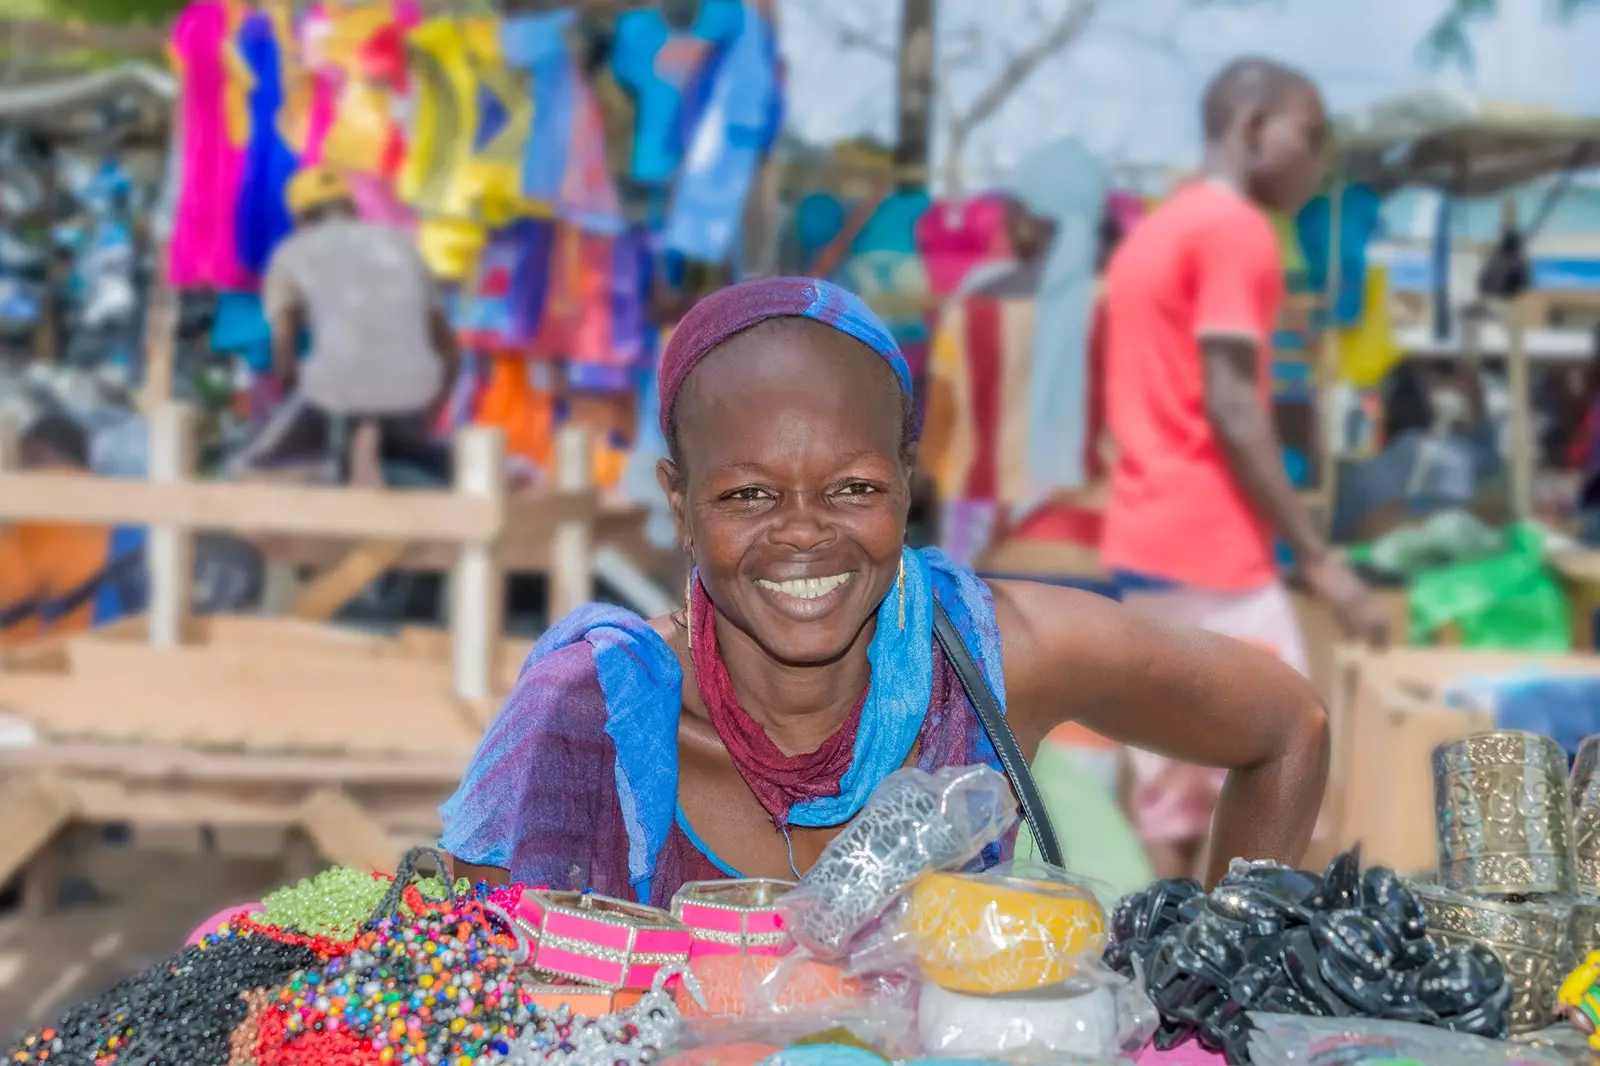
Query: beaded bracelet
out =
(600, 941)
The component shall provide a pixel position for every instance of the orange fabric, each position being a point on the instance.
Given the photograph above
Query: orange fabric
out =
(61, 559)
(1206, 262)
(526, 414)
(17, 586)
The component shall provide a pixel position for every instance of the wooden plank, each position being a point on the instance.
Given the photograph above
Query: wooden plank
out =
(571, 571)
(156, 763)
(345, 834)
(524, 547)
(233, 697)
(32, 811)
(325, 596)
(477, 584)
(252, 508)
(169, 556)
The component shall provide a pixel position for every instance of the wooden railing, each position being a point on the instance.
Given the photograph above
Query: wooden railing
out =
(471, 518)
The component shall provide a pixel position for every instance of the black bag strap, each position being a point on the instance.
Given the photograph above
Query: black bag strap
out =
(993, 720)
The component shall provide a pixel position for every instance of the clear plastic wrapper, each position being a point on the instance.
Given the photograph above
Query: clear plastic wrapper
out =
(914, 822)
(1294, 1040)
(1095, 1015)
(1005, 931)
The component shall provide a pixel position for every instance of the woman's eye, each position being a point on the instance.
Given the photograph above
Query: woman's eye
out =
(746, 494)
(858, 488)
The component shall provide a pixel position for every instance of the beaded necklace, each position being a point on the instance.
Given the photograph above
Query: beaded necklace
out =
(184, 1009)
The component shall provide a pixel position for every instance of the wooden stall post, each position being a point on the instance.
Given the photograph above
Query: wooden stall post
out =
(571, 564)
(476, 586)
(170, 553)
(1518, 386)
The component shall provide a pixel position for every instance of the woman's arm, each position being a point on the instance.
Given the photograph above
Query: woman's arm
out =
(492, 874)
(1181, 693)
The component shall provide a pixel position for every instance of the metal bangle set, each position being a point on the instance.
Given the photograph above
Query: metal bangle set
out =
(1519, 859)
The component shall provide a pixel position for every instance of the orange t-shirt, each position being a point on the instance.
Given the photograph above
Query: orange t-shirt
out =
(1205, 263)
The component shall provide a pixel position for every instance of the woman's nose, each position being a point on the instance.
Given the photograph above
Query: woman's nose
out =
(801, 525)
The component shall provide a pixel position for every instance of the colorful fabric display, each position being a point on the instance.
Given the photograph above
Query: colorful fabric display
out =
(655, 63)
(726, 148)
(362, 69)
(885, 270)
(203, 251)
(953, 237)
(263, 216)
(537, 44)
(1359, 218)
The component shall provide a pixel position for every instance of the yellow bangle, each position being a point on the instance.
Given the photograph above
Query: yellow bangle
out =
(993, 935)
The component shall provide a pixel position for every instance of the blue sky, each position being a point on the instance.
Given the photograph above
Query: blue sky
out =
(1129, 85)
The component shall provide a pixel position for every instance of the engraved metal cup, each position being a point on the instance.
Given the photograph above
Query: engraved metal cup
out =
(1584, 787)
(1530, 938)
(1584, 930)
(1504, 815)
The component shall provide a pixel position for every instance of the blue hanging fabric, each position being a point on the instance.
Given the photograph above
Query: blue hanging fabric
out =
(537, 44)
(656, 64)
(262, 218)
(720, 165)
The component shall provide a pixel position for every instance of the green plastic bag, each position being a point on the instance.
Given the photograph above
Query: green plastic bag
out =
(1511, 600)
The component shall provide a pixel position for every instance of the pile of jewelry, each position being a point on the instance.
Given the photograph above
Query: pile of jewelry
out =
(182, 1010)
(336, 903)
(436, 986)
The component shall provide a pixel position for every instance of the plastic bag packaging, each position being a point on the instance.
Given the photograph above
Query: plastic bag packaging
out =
(914, 822)
(1293, 1040)
(1097, 1014)
(1009, 930)
(784, 999)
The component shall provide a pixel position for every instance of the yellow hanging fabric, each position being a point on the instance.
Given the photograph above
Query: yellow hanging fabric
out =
(1367, 350)
(239, 80)
(363, 113)
(493, 172)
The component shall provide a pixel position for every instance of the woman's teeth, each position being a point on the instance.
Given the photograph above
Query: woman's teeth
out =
(807, 588)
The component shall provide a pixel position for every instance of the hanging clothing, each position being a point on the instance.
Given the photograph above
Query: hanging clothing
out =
(439, 178)
(1360, 215)
(263, 218)
(726, 146)
(537, 45)
(1066, 184)
(204, 251)
(362, 70)
(883, 266)
(655, 63)
(954, 237)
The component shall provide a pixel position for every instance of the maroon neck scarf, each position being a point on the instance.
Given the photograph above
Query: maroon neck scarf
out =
(778, 781)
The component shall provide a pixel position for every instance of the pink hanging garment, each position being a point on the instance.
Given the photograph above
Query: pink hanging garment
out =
(1125, 208)
(588, 196)
(203, 252)
(955, 236)
(314, 29)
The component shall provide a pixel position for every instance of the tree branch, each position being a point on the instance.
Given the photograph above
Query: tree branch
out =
(1019, 67)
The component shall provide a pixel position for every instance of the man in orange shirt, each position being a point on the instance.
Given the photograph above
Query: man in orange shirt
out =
(1191, 301)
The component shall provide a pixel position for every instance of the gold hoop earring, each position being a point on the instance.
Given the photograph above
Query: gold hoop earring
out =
(688, 605)
(900, 590)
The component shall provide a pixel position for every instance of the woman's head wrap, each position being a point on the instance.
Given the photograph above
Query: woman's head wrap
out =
(731, 311)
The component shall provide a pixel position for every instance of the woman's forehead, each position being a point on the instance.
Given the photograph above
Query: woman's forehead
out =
(793, 372)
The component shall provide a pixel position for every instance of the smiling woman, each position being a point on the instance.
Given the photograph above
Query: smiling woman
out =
(737, 737)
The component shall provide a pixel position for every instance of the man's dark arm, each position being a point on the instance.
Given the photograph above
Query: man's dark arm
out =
(443, 338)
(1249, 442)
(286, 323)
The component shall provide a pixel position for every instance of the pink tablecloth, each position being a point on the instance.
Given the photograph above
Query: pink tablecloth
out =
(1190, 1054)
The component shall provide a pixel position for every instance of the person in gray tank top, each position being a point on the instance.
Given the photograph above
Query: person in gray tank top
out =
(381, 346)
